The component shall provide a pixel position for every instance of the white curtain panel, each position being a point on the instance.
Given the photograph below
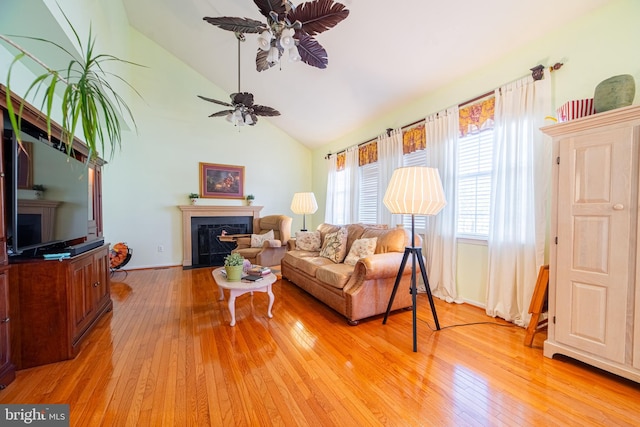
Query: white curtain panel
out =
(389, 159)
(519, 197)
(440, 236)
(342, 188)
(332, 178)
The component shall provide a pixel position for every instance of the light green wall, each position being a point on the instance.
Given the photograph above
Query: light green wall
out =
(159, 165)
(592, 48)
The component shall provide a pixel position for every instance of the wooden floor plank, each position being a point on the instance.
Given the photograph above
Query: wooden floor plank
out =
(166, 355)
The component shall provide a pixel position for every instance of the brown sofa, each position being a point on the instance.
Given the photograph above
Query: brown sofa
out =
(355, 291)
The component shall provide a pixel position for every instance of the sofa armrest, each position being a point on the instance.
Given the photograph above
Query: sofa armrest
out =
(272, 244)
(271, 255)
(381, 266)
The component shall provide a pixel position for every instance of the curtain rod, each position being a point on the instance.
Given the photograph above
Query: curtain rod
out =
(537, 73)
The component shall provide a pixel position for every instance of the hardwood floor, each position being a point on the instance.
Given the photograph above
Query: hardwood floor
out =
(166, 356)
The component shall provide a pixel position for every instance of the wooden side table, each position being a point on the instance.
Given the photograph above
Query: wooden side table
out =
(240, 288)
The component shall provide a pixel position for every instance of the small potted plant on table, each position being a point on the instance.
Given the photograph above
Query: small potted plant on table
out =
(194, 197)
(233, 265)
(250, 198)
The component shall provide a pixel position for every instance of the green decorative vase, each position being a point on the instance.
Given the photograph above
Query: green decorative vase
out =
(234, 272)
(614, 92)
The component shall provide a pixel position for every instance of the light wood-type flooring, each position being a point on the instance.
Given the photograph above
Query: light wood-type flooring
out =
(166, 356)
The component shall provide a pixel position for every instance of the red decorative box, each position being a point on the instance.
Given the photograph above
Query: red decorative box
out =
(575, 109)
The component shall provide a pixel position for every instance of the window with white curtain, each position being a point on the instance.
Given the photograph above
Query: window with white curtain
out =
(474, 184)
(339, 194)
(368, 199)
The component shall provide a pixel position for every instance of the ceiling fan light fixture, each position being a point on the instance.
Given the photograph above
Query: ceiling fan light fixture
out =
(274, 55)
(264, 40)
(286, 38)
(294, 55)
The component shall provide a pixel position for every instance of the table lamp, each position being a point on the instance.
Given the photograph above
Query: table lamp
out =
(304, 203)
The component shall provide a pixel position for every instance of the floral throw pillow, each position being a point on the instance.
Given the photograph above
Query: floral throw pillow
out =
(335, 245)
(257, 240)
(361, 248)
(308, 241)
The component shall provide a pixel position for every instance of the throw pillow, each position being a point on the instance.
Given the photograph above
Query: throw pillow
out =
(335, 245)
(308, 241)
(257, 240)
(361, 248)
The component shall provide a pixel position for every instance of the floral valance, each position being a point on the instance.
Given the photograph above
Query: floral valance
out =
(477, 117)
(341, 160)
(414, 139)
(368, 153)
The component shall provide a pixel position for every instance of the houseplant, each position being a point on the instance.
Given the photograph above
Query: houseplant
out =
(250, 198)
(194, 197)
(88, 99)
(39, 189)
(233, 265)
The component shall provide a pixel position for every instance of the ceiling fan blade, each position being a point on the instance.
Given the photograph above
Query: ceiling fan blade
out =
(261, 110)
(215, 101)
(318, 15)
(244, 98)
(311, 52)
(221, 113)
(261, 60)
(268, 6)
(237, 25)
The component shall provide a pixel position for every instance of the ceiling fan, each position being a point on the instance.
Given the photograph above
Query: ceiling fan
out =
(288, 29)
(244, 111)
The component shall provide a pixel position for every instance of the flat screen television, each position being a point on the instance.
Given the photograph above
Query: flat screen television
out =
(51, 224)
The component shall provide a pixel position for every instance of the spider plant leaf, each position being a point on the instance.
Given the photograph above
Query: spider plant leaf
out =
(237, 25)
(319, 15)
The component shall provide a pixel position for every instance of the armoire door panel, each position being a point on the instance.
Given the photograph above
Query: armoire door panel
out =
(594, 224)
(590, 243)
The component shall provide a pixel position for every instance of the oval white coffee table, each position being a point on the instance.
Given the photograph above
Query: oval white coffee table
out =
(240, 288)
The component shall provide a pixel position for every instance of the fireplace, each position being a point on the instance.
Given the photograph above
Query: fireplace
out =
(202, 227)
(206, 246)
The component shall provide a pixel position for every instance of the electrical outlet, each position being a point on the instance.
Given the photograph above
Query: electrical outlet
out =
(160, 248)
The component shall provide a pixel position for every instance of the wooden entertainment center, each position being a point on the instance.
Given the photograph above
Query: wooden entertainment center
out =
(47, 307)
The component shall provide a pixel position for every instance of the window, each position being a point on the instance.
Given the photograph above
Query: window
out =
(368, 199)
(475, 153)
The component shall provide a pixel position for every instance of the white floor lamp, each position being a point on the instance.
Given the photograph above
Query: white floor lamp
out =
(416, 191)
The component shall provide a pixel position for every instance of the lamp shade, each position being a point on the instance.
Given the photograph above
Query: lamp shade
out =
(415, 190)
(304, 203)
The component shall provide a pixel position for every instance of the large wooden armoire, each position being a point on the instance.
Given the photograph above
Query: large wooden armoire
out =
(594, 282)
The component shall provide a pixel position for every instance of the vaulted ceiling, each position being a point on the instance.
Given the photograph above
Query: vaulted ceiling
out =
(384, 54)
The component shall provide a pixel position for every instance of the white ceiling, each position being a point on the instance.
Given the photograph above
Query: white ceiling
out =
(384, 54)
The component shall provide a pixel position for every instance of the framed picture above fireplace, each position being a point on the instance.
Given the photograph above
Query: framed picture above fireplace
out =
(221, 181)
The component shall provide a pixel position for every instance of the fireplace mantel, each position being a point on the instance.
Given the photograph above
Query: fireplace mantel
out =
(191, 211)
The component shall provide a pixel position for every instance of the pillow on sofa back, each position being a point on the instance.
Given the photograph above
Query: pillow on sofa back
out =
(308, 241)
(391, 240)
(335, 245)
(361, 248)
(257, 240)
